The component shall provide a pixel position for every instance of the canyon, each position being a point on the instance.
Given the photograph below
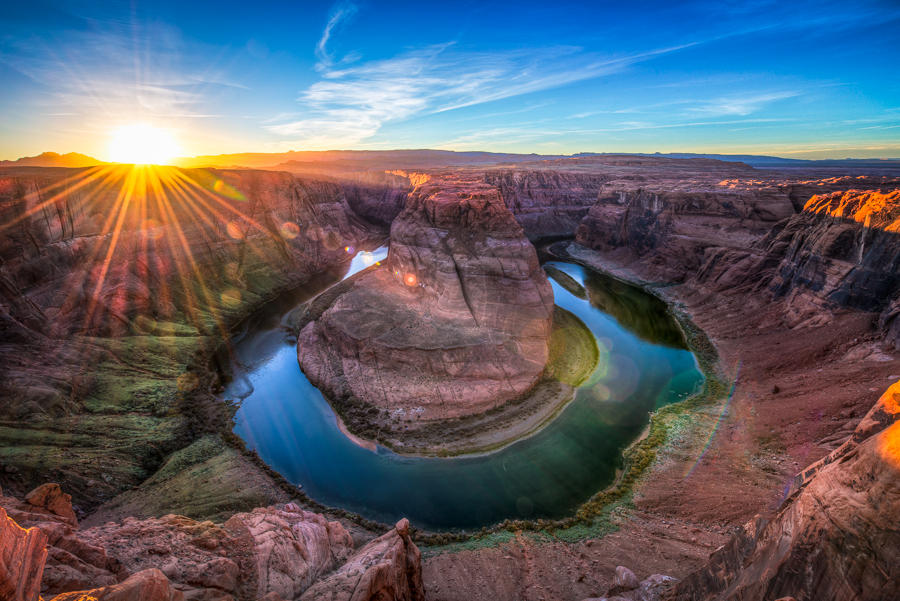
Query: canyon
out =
(781, 481)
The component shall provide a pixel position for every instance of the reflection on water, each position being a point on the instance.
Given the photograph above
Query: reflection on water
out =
(289, 423)
(643, 314)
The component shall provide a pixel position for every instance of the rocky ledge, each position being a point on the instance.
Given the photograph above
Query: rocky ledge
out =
(271, 553)
(456, 322)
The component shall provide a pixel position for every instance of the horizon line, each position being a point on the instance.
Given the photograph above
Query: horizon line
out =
(578, 154)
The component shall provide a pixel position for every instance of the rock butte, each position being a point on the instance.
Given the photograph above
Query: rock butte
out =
(455, 323)
(108, 385)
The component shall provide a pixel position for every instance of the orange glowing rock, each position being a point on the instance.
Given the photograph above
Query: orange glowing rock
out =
(890, 445)
(870, 207)
(410, 279)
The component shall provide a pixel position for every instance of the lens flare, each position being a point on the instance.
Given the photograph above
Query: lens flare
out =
(289, 230)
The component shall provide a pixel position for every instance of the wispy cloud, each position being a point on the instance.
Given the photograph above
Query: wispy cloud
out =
(350, 105)
(339, 14)
(741, 105)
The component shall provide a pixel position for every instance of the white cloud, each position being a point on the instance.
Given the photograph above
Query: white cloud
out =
(340, 13)
(740, 105)
(349, 105)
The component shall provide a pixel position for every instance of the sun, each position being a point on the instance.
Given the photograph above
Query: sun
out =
(142, 144)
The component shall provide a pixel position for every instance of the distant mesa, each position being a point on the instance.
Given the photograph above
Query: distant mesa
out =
(54, 159)
(337, 162)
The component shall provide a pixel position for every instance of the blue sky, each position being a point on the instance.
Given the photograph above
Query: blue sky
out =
(798, 79)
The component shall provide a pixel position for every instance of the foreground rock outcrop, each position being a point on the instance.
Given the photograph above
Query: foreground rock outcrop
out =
(269, 553)
(389, 567)
(22, 556)
(457, 321)
(147, 585)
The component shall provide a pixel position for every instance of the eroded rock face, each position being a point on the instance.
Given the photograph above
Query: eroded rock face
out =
(291, 548)
(842, 250)
(836, 536)
(22, 556)
(388, 568)
(675, 228)
(455, 323)
(547, 203)
(269, 553)
(815, 243)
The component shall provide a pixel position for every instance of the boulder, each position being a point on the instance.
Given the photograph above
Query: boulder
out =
(51, 497)
(386, 569)
(625, 580)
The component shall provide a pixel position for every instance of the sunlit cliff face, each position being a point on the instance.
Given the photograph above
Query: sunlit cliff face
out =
(873, 209)
(890, 438)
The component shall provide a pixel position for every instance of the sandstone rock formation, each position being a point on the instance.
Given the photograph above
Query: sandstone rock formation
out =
(269, 553)
(814, 242)
(292, 548)
(22, 556)
(840, 251)
(547, 203)
(99, 397)
(836, 537)
(676, 228)
(50, 497)
(455, 323)
(389, 567)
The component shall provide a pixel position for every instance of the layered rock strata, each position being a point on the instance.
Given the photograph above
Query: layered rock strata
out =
(22, 556)
(841, 251)
(456, 322)
(269, 553)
